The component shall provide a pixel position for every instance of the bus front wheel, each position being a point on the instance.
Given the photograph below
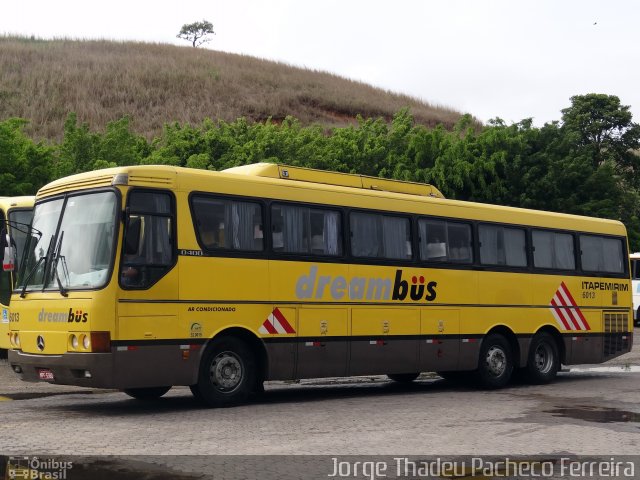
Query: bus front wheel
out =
(150, 393)
(227, 373)
(495, 364)
(544, 361)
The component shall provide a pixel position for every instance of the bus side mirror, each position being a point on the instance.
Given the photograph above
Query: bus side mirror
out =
(9, 258)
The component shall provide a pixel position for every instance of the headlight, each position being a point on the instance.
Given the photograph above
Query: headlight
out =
(74, 342)
(17, 340)
(86, 342)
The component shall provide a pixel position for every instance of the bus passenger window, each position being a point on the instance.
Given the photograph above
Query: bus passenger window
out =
(444, 241)
(459, 242)
(305, 230)
(553, 250)
(601, 254)
(433, 238)
(502, 246)
(381, 236)
(227, 224)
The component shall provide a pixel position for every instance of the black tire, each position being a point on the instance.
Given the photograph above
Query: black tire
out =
(149, 393)
(495, 364)
(544, 361)
(227, 373)
(637, 320)
(519, 376)
(403, 377)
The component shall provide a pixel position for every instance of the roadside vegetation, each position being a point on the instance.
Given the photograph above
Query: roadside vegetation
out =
(585, 163)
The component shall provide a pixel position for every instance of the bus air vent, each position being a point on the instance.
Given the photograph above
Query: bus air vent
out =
(148, 180)
(302, 174)
(616, 336)
(75, 183)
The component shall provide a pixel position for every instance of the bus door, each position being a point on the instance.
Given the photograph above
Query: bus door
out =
(148, 277)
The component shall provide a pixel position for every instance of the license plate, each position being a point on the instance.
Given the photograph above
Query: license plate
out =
(45, 374)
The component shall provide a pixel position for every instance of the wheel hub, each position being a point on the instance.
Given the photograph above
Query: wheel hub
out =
(226, 371)
(543, 358)
(496, 361)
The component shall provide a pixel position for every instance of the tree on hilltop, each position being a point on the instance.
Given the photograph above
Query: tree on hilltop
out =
(196, 32)
(605, 128)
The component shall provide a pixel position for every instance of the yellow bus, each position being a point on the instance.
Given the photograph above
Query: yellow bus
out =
(15, 218)
(142, 278)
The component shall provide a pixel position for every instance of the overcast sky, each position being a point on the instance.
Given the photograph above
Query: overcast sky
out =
(504, 58)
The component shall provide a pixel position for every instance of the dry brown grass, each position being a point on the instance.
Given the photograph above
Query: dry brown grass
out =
(101, 81)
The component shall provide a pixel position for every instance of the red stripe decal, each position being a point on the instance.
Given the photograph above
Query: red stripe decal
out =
(567, 313)
(560, 313)
(578, 311)
(283, 321)
(270, 328)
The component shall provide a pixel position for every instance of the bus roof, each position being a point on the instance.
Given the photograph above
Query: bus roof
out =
(25, 201)
(301, 174)
(316, 186)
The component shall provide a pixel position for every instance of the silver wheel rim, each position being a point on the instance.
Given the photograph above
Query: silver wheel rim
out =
(226, 372)
(496, 361)
(543, 358)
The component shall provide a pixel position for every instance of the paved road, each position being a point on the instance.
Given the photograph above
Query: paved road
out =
(587, 411)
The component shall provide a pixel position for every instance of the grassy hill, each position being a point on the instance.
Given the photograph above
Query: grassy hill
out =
(42, 81)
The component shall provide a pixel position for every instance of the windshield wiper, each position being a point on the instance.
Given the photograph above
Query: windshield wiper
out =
(31, 272)
(43, 258)
(54, 265)
(22, 227)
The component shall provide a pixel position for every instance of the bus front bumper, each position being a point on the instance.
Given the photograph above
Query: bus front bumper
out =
(143, 367)
(81, 369)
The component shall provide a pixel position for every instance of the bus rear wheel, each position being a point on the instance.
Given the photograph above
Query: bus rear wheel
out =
(403, 377)
(149, 393)
(544, 362)
(495, 364)
(227, 373)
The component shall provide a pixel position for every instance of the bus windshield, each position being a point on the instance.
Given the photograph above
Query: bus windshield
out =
(20, 221)
(71, 245)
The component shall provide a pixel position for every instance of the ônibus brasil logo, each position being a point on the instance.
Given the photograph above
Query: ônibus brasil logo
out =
(316, 286)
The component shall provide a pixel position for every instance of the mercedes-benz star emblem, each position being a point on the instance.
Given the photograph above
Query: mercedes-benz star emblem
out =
(40, 343)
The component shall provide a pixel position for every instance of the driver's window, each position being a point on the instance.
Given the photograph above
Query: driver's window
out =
(148, 249)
